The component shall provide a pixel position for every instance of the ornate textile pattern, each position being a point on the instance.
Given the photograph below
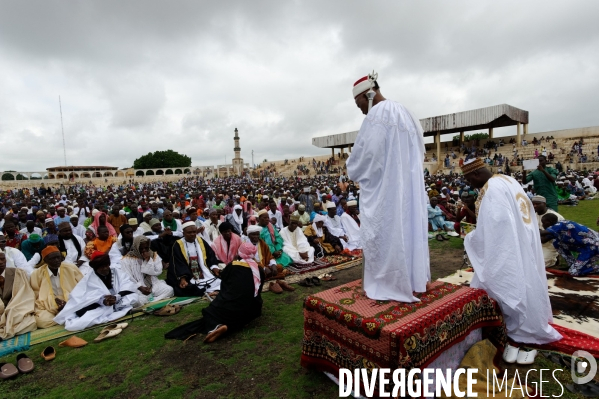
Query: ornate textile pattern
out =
(343, 328)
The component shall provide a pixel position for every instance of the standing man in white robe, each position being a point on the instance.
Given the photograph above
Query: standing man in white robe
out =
(386, 161)
(505, 252)
(295, 243)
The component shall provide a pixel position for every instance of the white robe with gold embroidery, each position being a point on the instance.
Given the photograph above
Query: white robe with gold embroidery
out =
(505, 251)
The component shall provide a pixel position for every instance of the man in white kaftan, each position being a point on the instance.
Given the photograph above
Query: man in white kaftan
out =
(333, 224)
(15, 258)
(350, 227)
(386, 161)
(505, 252)
(295, 243)
(104, 295)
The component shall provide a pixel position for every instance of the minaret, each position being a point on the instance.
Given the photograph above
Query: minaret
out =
(237, 161)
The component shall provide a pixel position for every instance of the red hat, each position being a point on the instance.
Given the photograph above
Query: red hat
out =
(361, 86)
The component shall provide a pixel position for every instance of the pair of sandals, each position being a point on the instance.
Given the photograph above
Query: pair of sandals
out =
(441, 237)
(111, 331)
(24, 365)
(310, 282)
(327, 277)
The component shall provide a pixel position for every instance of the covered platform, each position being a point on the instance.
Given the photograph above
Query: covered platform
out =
(477, 119)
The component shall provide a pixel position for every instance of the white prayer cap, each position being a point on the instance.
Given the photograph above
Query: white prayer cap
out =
(147, 213)
(187, 224)
(331, 204)
(95, 212)
(49, 220)
(254, 228)
(352, 203)
(237, 207)
(319, 218)
(538, 198)
(122, 212)
(265, 197)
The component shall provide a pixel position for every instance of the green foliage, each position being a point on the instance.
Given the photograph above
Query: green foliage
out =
(162, 159)
(470, 137)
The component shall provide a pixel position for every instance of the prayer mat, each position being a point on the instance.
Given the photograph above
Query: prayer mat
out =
(575, 305)
(558, 272)
(15, 344)
(325, 261)
(47, 334)
(296, 278)
(345, 329)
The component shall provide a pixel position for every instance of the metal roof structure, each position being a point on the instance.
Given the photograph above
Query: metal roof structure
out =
(476, 119)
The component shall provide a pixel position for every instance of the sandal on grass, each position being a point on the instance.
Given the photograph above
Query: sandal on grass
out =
(168, 310)
(306, 283)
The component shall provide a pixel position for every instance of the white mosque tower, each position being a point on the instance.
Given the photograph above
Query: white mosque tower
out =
(237, 161)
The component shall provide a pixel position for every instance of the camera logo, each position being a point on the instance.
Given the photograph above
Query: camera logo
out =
(583, 362)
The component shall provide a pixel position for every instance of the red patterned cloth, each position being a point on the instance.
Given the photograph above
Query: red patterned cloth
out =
(572, 341)
(345, 329)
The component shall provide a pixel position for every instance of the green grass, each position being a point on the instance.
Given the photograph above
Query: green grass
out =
(586, 213)
(261, 361)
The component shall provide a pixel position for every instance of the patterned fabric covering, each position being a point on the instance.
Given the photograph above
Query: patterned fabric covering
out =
(345, 329)
(325, 261)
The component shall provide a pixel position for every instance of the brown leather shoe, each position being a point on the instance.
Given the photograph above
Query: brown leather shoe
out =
(286, 287)
(274, 287)
(215, 334)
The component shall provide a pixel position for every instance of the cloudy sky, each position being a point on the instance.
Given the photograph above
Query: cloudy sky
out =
(141, 76)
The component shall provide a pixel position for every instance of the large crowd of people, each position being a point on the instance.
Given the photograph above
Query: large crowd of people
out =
(82, 254)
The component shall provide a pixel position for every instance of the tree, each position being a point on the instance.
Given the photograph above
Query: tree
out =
(162, 159)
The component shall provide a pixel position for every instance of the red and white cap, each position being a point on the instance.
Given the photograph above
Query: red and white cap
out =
(364, 84)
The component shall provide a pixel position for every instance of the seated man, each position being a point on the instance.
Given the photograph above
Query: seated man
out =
(209, 229)
(17, 301)
(52, 283)
(295, 243)
(30, 228)
(318, 236)
(15, 258)
(350, 226)
(317, 211)
(304, 217)
(78, 229)
(104, 295)
(436, 218)
(333, 224)
(238, 302)
(263, 255)
(13, 237)
(172, 224)
(576, 243)
(550, 255)
(236, 220)
(193, 268)
(70, 245)
(34, 244)
(161, 241)
(271, 236)
(227, 244)
(143, 267)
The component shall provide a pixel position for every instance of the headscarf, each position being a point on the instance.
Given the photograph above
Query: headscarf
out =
(96, 223)
(238, 218)
(318, 218)
(247, 252)
(135, 252)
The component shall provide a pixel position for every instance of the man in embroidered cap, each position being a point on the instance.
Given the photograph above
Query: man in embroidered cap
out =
(386, 161)
(505, 251)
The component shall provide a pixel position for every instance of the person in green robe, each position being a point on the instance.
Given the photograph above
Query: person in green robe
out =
(271, 236)
(544, 182)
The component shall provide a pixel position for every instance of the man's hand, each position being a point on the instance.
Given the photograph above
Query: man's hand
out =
(344, 238)
(201, 229)
(338, 249)
(145, 255)
(80, 262)
(145, 290)
(60, 303)
(317, 241)
(183, 283)
(216, 271)
(277, 254)
(304, 255)
(540, 168)
(109, 300)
